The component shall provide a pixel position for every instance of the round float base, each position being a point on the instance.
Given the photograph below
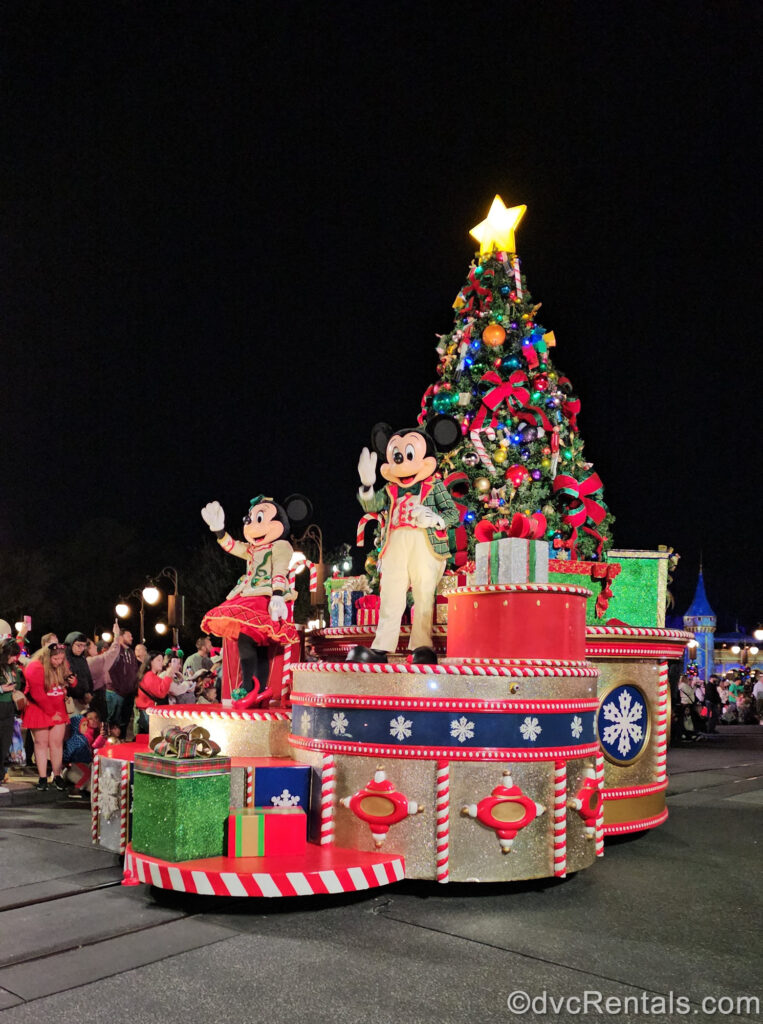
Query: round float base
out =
(321, 870)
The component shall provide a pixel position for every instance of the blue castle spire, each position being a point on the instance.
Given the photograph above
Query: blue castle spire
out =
(700, 619)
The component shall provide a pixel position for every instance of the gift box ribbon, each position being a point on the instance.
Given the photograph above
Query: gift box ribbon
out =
(184, 743)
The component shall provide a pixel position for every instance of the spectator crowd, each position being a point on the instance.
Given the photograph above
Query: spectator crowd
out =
(61, 703)
(699, 707)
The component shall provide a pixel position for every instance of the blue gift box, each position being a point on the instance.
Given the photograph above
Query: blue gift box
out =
(341, 608)
(287, 785)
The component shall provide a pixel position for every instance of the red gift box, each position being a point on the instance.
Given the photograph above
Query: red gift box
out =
(367, 608)
(267, 831)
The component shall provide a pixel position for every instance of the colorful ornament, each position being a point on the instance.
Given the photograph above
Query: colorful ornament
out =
(500, 456)
(482, 485)
(445, 401)
(470, 459)
(494, 335)
(517, 475)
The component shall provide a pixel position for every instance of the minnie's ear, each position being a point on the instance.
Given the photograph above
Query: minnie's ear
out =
(380, 435)
(445, 431)
(299, 509)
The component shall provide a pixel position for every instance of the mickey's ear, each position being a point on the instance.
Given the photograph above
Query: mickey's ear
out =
(380, 435)
(445, 431)
(299, 509)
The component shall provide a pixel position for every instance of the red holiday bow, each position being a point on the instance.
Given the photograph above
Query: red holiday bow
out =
(513, 391)
(606, 572)
(533, 527)
(585, 507)
(571, 408)
(485, 530)
(479, 296)
(369, 601)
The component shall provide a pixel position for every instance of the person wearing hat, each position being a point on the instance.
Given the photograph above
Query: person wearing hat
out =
(76, 646)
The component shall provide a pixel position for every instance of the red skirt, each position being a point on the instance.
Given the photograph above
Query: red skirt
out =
(248, 615)
(36, 718)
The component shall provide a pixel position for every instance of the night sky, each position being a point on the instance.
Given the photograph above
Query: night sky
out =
(232, 231)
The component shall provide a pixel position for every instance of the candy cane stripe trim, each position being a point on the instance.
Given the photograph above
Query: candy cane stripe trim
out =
(585, 671)
(636, 826)
(346, 700)
(449, 753)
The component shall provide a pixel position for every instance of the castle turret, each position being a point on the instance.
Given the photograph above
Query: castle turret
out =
(700, 620)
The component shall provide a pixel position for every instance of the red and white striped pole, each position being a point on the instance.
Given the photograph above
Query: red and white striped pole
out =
(599, 834)
(662, 723)
(560, 819)
(249, 786)
(94, 820)
(328, 799)
(442, 806)
(124, 804)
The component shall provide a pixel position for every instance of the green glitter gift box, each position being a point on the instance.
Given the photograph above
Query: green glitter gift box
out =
(640, 592)
(601, 578)
(180, 807)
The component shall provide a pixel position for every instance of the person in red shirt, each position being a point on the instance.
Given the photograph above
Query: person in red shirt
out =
(45, 715)
(152, 690)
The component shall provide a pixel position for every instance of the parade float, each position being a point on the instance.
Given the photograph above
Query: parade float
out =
(501, 735)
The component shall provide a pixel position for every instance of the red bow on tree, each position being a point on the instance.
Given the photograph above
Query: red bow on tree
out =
(582, 507)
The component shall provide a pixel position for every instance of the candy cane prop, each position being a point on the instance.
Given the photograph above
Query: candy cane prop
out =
(124, 803)
(474, 437)
(363, 523)
(560, 819)
(249, 786)
(312, 569)
(599, 835)
(286, 676)
(328, 799)
(94, 819)
(662, 723)
(443, 821)
(517, 277)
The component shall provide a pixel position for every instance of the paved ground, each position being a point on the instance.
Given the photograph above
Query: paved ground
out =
(675, 910)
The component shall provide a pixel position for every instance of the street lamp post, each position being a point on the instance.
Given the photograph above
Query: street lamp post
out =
(174, 601)
(147, 595)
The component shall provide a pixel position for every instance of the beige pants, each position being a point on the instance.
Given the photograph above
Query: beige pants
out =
(408, 562)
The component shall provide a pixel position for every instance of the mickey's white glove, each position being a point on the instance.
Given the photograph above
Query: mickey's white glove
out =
(213, 516)
(277, 608)
(424, 517)
(367, 468)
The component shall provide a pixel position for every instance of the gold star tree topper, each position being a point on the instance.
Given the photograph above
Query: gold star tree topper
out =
(497, 230)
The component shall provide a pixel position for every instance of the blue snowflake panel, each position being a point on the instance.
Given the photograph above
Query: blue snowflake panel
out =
(623, 724)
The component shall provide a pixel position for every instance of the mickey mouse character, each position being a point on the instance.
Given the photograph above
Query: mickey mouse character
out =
(255, 612)
(415, 541)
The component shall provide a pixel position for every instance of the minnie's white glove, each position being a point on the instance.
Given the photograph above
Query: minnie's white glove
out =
(277, 608)
(213, 516)
(367, 468)
(424, 517)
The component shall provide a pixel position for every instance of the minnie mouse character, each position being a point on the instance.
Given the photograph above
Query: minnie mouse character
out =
(415, 541)
(255, 612)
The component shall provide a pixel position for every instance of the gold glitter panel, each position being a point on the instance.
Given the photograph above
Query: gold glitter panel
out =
(414, 836)
(475, 852)
(646, 675)
(235, 737)
(581, 851)
(464, 687)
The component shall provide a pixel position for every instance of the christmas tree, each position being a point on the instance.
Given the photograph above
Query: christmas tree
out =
(521, 469)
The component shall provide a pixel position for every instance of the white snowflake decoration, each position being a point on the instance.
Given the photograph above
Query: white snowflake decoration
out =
(304, 723)
(530, 729)
(400, 727)
(284, 800)
(625, 731)
(108, 795)
(577, 727)
(461, 729)
(339, 724)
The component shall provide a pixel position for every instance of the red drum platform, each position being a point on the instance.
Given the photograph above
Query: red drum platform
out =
(517, 620)
(321, 870)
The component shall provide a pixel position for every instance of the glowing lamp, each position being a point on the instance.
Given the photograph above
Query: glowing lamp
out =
(122, 610)
(106, 636)
(161, 628)
(151, 594)
(736, 649)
